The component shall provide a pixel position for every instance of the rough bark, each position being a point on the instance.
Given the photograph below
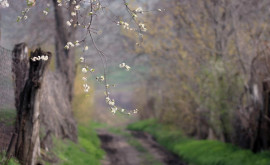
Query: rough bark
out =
(56, 116)
(20, 69)
(27, 124)
(65, 58)
(56, 113)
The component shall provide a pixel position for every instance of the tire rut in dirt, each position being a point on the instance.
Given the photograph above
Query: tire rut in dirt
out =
(157, 150)
(119, 152)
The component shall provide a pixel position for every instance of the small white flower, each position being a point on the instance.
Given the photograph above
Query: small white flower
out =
(134, 15)
(135, 111)
(25, 17)
(107, 99)
(77, 7)
(86, 48)
(68, 23)
(114, 109)
(92, 70)
(66, 47)
(4, 3)
(73, 13)
(159, 10)
(84, 70)
(84, 78)
(139, 10)
(142, 27)
(86, 87)
(127, 68)
(122, 65)
(81, 59)
(111, 102)
(45, 12)
(44, 57)
(77, 43)
(70, 44)
(33, 59)
(102, 78)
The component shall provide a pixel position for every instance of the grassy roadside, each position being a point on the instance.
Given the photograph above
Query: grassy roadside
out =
(200, 152)
(86, 151)
(12, 161)
(7, 116)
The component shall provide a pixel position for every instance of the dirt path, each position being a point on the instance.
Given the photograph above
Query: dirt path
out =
(157, 150)
(120, 152)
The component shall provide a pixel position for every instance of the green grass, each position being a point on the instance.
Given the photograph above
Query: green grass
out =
(7, 116)
(12, 161)
(200, 152)
(86, 152)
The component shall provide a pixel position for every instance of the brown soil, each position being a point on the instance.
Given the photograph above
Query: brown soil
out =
(119, 152)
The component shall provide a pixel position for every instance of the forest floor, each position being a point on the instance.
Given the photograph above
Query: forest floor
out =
(124, 147)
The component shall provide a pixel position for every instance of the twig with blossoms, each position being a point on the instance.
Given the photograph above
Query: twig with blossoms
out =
(95, 6)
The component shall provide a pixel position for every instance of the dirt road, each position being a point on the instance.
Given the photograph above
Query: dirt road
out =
(135, 148)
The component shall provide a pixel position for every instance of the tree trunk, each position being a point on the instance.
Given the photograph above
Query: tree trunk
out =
(20, 69)
(27, 124)
(65, 58)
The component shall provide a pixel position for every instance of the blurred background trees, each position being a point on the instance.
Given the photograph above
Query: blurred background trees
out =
(208, 61)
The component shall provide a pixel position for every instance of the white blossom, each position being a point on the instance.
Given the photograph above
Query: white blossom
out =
(86, 48)
(68, 23)
(42, 57)
(73, 13)
(114, 109)
(111, 102)
(4, 3)
(84, 70)
(84, 78)
(77, 7)
(127, 68)
(135, 111)
(142, 27)
(77, 43)
(31, 2)
(45, 12)
(122, 65)
(101, 78)
(81, 59)
(139, 10)
(86, 87)
(107, 99)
